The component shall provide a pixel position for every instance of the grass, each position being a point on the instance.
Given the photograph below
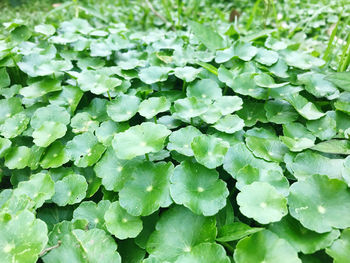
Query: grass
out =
(31, 11)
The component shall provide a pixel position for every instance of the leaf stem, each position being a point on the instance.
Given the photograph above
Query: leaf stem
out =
(184, 86)
(109, 95)
(147, 157)
(48, 249)
(155, 119)
(229, 247)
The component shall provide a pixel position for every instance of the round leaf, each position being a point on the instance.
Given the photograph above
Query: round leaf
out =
(139, 140)
(48, 132)
(22, 238)
(266, 247)
(123, 108)
(205, 252)
(152, 106)
(147, 189)
(178, 231)
(84, 149)
(181, 140)
(209, 150)
(198, 188)
(320, 203)
(120, 223)
(262, 202)
(204, 89)
(70, 190)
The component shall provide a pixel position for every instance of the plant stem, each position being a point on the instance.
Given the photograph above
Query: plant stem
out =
(109, 95)
(184, 86)
(48, 249)
(229, 247)
(155, 119)
(147, 157)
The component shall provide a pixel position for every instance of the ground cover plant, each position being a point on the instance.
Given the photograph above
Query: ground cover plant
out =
(163, 131)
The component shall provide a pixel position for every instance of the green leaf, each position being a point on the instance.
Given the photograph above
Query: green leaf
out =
(4, 78)
(48, 132)
(305, 108)
(50, 113)
(248, 175)
(70, 190)
(55, 156)
(139, 140)
(181, 140)
(110, 170)
(188, 108)
(228, 104)
(83, 122)
(244, 84)
(341, 79)
(266, 57)
(308, 163)
(238, 156)
(41, 88)
(108, 129)
(68, 97)
(320, 203)
(84, 149)
(205, 252)
(316, 84)
(42, 65)
(297, 137)
(265, 144)
(209, 150)
(242, 50)
(9, 107)
(38, 188)
(229, 124)
(198, 188)
(22, 237)
(266, 81)
(324, 128)
(123, 108)
(339, 250)
(235, 231)
(265, 246)
(84, 246)
(301, 60)
(262, 202)
(45, 29)
(120, 223)
(93, 213)
(333, 146)
(204, 89)
(302, 239)
(152, 106)
(15, 125)
(97, 82)
(207, 36)
(154, 74)
(18, 157)
(5, 144)
(187, 74)
(147, 188)
(252, 112)
(343, 102)
(178, 231)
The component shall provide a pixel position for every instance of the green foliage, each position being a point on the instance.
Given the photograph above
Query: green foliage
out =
(157, 131)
